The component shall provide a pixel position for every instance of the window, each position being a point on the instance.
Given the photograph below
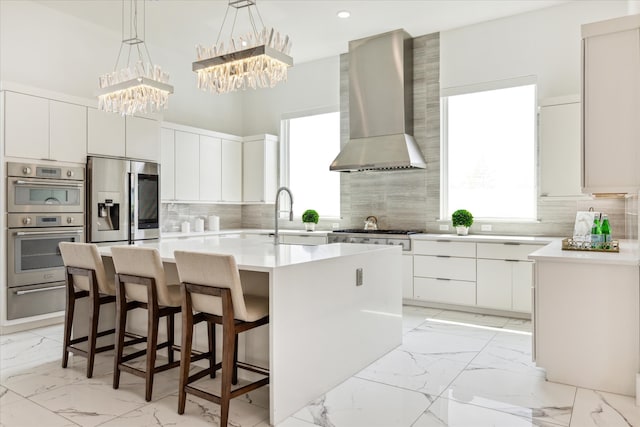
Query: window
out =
(488, 153)
(310, 144)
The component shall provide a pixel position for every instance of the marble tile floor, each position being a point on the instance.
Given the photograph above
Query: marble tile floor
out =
(453, 369)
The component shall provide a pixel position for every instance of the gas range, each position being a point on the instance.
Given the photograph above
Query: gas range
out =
(374, 237)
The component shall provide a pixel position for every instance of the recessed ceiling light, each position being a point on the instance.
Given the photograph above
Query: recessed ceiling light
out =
(344, 14)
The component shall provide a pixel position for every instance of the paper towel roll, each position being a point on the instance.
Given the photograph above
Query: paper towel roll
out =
(214, 223)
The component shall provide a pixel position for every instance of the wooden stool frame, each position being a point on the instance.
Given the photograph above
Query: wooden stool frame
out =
(230, 330)
(97, 300)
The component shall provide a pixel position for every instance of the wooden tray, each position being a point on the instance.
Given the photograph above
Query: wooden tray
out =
(569, 244)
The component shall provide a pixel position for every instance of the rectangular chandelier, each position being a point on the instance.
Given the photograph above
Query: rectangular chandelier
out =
(256, 60)
(139, 88)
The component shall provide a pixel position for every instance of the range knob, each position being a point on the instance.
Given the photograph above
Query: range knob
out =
(70, 220)
(26, 220)
(26, 170)
(70, 173)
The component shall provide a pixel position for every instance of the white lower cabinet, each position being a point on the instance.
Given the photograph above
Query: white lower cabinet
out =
(444, 290)
(407, 276)
(445, 272)
(303, 239)
(505, 276)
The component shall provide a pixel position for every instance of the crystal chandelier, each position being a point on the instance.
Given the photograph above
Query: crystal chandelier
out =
(135, 86)
(257, 59)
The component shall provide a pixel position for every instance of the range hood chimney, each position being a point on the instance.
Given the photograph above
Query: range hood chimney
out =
(380, 106)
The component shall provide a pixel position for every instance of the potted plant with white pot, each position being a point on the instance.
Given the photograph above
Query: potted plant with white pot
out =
(462, 220)
(310, 219)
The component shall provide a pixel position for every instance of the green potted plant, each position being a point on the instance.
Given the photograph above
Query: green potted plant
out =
(310, 219)
(462, 220)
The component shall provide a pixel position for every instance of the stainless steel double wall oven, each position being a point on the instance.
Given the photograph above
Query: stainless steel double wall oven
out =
(45, 206)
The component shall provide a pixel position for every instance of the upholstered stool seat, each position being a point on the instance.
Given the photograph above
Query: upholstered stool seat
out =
(141, 283)
(85, 277)
(213, 293)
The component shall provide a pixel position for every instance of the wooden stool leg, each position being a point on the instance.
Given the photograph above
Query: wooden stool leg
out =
(170, 336)
(211, 334)
(121, 323)
(94, 316)
(234, 379)
(185, 351)
(152, 344)
(68, 322)
(228, 351)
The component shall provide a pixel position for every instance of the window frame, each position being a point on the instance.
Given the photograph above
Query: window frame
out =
(284, 150)
(445, 93)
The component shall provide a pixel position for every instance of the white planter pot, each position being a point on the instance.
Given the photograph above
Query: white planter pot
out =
(309, 226)
(462, 230)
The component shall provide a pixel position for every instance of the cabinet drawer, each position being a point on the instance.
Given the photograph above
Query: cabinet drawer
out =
(444, 247)
(303, 239)
(506, 250)
(444, 267)
(445, 291)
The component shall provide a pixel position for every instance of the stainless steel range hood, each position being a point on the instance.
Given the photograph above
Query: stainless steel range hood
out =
(380, 106)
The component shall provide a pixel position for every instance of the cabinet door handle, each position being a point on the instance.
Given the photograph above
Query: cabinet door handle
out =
(442, 278)
(443, 256)
(512, 243)
(512, 260)
(443, 241)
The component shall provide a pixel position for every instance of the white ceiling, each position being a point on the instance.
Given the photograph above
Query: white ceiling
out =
(179, 25)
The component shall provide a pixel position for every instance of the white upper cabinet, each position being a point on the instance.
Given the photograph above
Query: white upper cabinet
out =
(559, 138)
(210, 171)
(142, 137)
(167, 164)
(259, 168)
(611, 105)
(26, 126)
(231, 169)
(187, 173)
(39, 128)
(105, 133)
(67, 132)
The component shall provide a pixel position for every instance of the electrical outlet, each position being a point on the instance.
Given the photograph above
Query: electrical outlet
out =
(444, 227)
(485, 227)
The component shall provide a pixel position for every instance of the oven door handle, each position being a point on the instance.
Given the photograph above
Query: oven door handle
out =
(31, 291)
(48, 184)
(42, 233)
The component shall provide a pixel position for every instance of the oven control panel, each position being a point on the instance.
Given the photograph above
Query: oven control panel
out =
(25, 170)
(45, 220)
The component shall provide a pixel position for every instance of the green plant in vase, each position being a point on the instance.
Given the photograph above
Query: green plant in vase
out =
(462, 220)
(310, 219)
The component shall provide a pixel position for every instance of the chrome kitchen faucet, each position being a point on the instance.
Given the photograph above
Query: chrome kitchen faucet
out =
(276, 240)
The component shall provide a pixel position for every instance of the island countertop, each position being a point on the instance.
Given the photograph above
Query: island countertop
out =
(256, 253)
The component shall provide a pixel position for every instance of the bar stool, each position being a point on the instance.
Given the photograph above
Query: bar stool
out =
(141, 283)
(85, 277)
(212, 292)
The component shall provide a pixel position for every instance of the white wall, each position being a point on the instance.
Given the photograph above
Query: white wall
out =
(43, 48)
(544, 43)
(310, 86)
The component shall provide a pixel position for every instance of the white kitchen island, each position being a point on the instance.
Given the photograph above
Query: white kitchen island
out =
(587, 317)
(324, 326)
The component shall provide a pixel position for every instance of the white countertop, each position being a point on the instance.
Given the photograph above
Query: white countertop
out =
(258, 253)
(178, 234)
(629, 254)
(487, 238)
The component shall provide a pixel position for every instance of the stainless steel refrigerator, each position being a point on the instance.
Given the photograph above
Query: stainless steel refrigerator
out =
(122, 200)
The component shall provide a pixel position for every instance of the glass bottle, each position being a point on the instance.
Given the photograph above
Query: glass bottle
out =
(596, 234)
(606, 229)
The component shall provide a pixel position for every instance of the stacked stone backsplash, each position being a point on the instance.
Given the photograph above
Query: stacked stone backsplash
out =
(174, 214)
(262, 216)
